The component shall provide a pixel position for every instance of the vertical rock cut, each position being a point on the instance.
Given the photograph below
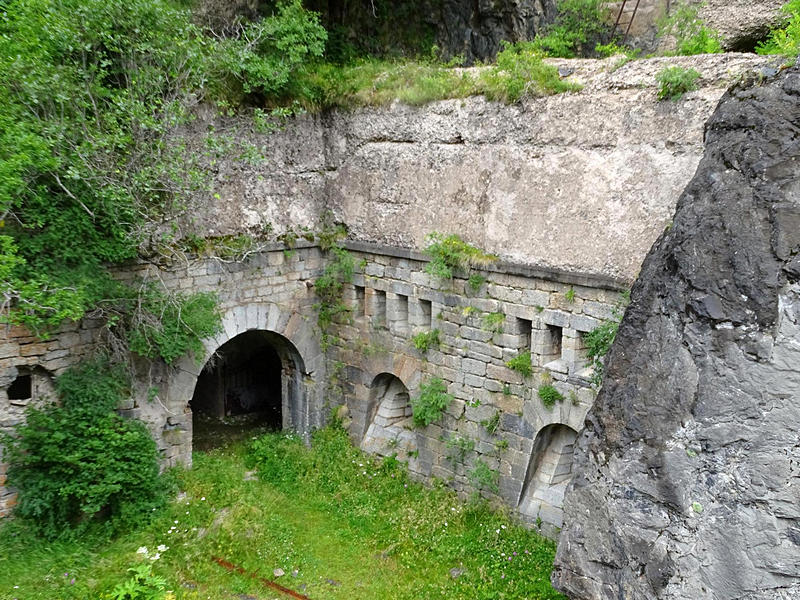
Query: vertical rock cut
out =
(687, 480)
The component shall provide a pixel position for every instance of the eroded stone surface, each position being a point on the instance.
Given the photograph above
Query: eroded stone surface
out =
(687, 475)
(582, 181)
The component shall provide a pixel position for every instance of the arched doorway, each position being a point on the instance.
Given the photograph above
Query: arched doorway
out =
(549, 472)
(390, 428)
(251, 383)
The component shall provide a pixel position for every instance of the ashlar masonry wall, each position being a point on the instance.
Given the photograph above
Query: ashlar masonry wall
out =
(496, 416)
(372, 366)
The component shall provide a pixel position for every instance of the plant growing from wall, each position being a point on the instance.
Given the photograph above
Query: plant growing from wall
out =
(785, 40)
(674, 82)
(521, 364)
(425, 340)
(494, 322)
(691, 35)
(549, 395)
(599, 340)
(492, 423)
(483, 477)
(475, 281)
(329, 287)
(449, 253)
(78, 465)
(431, 403)
(458, 447)
(569, 295)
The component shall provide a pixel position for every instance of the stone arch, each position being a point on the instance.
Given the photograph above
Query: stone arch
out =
(549, 472)
(390, 422)
(292, 337)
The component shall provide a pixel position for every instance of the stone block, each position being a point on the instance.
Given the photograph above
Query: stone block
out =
(473, 367)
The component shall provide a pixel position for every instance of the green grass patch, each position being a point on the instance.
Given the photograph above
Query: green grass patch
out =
(338, 523)
(674, 82)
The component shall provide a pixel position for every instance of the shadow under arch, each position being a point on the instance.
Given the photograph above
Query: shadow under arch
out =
(549, 472)
(390, 424)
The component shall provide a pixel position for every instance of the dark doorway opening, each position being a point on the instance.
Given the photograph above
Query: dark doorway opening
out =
(240, 390)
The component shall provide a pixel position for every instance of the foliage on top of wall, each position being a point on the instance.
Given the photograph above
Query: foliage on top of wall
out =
(784, 40)
(95, 97)
(431, 403)
(449, 253)
(692, 36)
(78, 465)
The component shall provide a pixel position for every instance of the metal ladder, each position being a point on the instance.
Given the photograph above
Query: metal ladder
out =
(618, 25)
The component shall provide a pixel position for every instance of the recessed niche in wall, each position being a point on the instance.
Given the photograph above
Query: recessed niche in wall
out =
(426, 312)
(359, 301)
(379, 308)
(21, 388)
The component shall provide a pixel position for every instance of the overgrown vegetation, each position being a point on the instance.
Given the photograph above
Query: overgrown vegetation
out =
(431, 403)
(449, 254)
(492, 423)
(785, 40)
(78, 465)
(425, 340)
(330, 517)
(674, 82)
(522, 364)
(549, 395)
(692, 36)
(579, 26)
(339, 270)
(458, 447)
(494, 322)
(599, 341)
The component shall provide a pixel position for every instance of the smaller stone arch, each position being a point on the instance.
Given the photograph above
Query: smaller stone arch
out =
(390, 429)
(549, 472)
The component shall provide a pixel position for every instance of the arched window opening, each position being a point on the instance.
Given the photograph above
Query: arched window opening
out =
(390, 429)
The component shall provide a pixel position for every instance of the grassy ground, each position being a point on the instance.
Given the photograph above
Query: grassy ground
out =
(339, 524)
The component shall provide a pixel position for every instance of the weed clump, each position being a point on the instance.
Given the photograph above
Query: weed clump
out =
(674, 82)
(431, 403)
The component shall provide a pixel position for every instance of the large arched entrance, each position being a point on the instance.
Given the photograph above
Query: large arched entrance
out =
(251, 383)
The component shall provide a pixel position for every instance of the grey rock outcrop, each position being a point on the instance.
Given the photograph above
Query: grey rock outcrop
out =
(687, 477)
(475, 28)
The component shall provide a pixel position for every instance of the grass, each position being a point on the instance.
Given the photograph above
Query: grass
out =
(520, 73)
(350, 526)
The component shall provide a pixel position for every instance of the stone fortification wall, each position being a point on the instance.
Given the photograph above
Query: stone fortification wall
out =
(496, 415)
(581, 181)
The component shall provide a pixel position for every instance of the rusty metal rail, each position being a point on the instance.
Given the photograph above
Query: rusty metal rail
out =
(268, 582)
(619, 24)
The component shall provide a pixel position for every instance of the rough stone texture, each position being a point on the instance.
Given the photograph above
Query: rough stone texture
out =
(741, 22)
(474, 29)
(582, 181)
(687, 481)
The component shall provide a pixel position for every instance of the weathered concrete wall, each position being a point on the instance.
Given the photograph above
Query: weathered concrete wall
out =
(582, 181)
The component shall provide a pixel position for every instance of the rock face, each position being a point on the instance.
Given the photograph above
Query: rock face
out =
(687, 477)
(475, 28)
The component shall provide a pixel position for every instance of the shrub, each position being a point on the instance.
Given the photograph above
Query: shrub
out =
(425, 340)
(521, 364)
(449, 253)
(674, 82)
(580, 25)
(521, 73)
(142, 585)
(598, 342)
(431, 403)
(550, 395)
(330, 286)
(79, 465)
(690, 33)
(786, 39)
